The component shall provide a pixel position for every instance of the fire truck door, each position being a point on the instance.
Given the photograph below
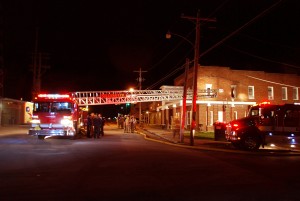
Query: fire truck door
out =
(268, 121)
(279, 123)
(291, 120)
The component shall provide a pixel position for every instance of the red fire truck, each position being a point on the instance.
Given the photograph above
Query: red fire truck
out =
(266, 124)
(55, 115)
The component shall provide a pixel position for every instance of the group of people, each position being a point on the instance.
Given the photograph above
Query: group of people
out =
(127, 122)
(95, 125)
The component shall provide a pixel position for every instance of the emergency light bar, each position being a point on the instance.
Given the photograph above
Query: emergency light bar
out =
(54, 96)
(264, 103)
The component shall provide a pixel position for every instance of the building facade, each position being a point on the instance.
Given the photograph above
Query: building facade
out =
(15, 112)
(234, 92)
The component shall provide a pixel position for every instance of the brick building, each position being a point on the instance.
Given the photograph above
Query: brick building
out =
(235, 91)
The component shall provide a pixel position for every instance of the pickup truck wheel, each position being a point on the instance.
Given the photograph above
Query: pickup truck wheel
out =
(251, 142)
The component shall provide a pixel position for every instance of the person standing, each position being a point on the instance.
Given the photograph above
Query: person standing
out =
(101, 124)
(132, 124)
(97, 125)
(89, 125)
(176, 127)
(127, 124)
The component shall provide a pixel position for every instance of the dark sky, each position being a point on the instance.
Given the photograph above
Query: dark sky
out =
(98, 45)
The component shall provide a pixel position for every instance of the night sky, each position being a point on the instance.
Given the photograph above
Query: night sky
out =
(97, 45)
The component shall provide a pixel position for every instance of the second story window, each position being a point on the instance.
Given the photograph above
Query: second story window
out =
(208, 89)
(295, 93)
(270, 93)
(284, 93)
(251, 92)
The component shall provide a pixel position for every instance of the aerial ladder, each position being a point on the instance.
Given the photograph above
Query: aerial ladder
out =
(135, 96)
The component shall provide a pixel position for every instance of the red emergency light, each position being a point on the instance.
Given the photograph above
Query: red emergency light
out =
(265, 103)
(54, 96)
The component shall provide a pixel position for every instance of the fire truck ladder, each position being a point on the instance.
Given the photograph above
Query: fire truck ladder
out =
(123, 97)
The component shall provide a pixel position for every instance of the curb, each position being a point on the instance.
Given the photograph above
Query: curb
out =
(211, 146)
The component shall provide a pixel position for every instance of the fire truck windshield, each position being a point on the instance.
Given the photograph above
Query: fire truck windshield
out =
(254, 111)
(264, 112)
(59, 107)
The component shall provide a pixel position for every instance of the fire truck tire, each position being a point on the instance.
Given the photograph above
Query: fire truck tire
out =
(251, 142)
(236, 145)
(41, 137)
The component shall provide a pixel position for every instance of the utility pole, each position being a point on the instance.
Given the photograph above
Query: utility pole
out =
(35, 85)
(196, 63)
(140, 80)
(1, 63)
(37, 65)
(183, 110)
(1, 56)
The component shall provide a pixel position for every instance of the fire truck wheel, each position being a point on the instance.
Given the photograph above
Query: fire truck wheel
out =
(236, 145)
(251, 142)
(41, 137)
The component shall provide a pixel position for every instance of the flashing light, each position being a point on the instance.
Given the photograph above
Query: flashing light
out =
(67, 121)
(235, 127)
(85, 109)
(54, 96)
(35, 119)
(265, 103)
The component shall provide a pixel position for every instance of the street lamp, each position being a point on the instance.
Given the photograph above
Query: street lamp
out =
(147, 120)
(169, 35)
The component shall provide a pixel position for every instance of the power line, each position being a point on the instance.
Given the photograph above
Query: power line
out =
(239, 29)
(232, 34)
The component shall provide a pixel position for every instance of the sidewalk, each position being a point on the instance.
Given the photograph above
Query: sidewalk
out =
(166, 136)
(15, 129)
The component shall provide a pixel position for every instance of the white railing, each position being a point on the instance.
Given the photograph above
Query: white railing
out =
(122, 97)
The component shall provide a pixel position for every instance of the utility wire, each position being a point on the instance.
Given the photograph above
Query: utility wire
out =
(233, 33)
(239, 29)
(262, 58)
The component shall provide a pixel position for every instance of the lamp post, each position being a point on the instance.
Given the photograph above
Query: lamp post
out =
(169, 35)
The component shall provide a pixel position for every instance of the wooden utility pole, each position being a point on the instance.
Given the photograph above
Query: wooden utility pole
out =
(196, 63)
(1, 63)
(37, 66)
(183, 110)
(140, 80)
(1, 55)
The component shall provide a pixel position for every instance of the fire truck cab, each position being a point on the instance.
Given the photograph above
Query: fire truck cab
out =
(54, 115)
(266, 124)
